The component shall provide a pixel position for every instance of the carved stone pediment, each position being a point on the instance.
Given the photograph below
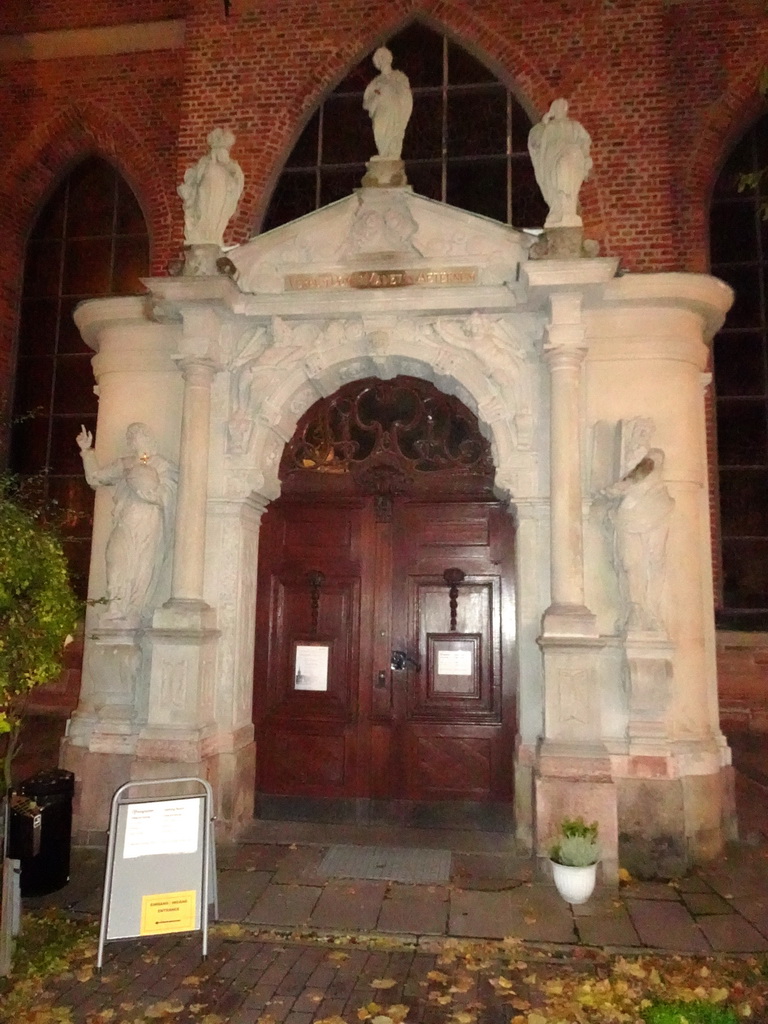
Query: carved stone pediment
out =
(384, 230)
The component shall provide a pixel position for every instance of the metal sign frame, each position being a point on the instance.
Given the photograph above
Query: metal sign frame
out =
(132, 873)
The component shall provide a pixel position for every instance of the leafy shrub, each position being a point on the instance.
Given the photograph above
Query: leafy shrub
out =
(38, 611)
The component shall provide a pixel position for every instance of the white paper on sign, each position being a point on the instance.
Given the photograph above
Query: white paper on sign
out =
(454, 663)
(162, 826)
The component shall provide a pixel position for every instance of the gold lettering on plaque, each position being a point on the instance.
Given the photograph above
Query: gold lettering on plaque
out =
(382, 279)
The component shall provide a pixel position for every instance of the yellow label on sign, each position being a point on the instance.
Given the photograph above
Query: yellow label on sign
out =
(168, 912)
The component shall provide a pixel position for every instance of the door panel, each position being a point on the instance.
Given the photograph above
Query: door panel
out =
(441, 728)
(309, 599)
(458, 740)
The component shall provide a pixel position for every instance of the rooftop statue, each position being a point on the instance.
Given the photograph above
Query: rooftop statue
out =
(389, 101)
(559, 148)
(211, 191)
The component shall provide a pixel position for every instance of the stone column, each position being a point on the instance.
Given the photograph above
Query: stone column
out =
(564, 351)
(189, 541)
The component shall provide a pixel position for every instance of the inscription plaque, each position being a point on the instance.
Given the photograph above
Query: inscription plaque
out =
(442, 277)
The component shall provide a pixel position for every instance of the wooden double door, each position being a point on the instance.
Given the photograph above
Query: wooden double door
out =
(384, 675)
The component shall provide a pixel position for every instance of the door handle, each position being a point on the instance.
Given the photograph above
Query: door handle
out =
(401, 660)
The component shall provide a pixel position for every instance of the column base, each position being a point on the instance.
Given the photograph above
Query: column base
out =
(230, 767)
(668, 825)
(97, 776)
(568, 621)
(573, 785)
(184, 617)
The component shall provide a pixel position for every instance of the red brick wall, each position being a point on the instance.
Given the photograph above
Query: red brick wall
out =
(46, 15)
(52, 113)
(664, 88)
(742, 661)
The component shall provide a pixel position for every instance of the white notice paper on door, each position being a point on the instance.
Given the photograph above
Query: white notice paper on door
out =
(162, 826)
(454, 663)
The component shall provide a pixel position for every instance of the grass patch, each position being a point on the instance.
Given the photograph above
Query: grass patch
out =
(697, 1012)
(50, 945)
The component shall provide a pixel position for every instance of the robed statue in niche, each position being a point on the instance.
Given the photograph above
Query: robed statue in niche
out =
(140, 543)
(641, 511)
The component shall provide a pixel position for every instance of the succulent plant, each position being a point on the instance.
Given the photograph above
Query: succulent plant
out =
(577, 844)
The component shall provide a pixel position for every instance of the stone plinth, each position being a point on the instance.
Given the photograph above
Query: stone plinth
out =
(383, 173)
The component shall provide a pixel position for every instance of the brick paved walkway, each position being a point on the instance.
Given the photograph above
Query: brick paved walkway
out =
(275, 881)
(253, 978)
(297, 946)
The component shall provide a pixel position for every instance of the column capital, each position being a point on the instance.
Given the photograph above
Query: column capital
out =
(566, 334)
(197, 369)
(565, 346)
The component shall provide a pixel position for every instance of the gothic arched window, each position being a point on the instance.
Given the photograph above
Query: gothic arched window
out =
(466, 143)
(739, 255)
(89, 241)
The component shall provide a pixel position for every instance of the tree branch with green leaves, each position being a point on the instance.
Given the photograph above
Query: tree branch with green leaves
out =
(38, 613)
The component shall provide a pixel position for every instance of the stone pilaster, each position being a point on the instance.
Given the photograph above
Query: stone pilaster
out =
(136, 380)
(650, 673)
(573, 774)
(180, 709)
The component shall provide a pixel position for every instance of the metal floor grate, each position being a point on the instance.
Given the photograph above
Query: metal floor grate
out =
(395, 864)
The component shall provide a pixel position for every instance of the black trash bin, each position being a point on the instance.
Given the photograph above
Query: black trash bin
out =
(48, 870)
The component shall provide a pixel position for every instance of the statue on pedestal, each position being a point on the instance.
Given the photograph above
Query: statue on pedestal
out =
(211, 191)
(559, 148)
(140, 543)
(389, 102)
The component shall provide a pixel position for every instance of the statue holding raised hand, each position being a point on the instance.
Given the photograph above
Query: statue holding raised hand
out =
(141, 541)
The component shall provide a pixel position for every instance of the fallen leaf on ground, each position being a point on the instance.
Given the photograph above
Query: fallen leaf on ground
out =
(398, 1012)
(462, 984)
(165, 1008)
(501, 982)
(229, 931)
(383, 983)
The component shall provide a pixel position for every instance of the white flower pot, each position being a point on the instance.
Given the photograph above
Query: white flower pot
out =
(575, 885)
